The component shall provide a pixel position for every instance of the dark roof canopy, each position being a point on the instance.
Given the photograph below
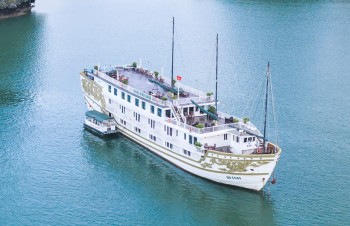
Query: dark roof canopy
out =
(97, 115)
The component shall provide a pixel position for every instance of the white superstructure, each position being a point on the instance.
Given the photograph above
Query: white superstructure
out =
(226, 149)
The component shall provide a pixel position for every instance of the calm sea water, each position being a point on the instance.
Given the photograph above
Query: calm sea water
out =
(53, 172)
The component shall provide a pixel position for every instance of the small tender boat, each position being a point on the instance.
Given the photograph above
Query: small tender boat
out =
(100, 123)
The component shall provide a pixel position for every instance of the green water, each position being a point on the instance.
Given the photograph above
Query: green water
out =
(53, 172)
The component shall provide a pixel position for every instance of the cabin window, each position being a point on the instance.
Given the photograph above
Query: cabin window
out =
(115, 91)
(123, 109)
(152, 123)
(194, 140)
(184, 136)
(122, 122)
(185, 111)
(109, 101)
(167, 113)
(137, 102)
(225, 136)
(143, 105)
(169, 131)
(187, 152)
(152, 109)
(253, 138)
(190, 139)
(177, 133)
(109, 88)
(233, 137)
(123, 95)
(159, 112)
(237, 139)
(152, 137)
(250, 139)
(169, 145)
(245, 140)
(137, 116)
(137, 130)
(129, 98)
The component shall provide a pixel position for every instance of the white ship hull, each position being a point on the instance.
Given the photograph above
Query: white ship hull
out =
(253, 181)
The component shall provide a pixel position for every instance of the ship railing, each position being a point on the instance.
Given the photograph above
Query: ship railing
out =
(247, 125)
(199, 100)
(200, 96)
(130, 89)
(187, 88)
(211, 129)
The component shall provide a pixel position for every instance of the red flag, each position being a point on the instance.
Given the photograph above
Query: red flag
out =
(178, 78)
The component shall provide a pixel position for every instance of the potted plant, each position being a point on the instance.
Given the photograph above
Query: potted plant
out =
(134, 65)
(245, 120)
(174, 97)
(209, 95)
(212, 109)
(235, 120)
(174, 81)
(164, 98)
(200, 126)
(156, 73)
(198, 145)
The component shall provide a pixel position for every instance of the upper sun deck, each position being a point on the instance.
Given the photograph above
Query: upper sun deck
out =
(149, 85)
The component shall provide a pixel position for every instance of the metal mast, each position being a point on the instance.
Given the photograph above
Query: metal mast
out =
(266, 101)
(172, 57)
(216, 72)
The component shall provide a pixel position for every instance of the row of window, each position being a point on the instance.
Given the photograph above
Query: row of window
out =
(137, 101)
(191, 139)
(110, 90)
(154, 138)
(249, 139)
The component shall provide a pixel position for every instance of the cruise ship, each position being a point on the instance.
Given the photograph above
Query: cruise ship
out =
(181, 125)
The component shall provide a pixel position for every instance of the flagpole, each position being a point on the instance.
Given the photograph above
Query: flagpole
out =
(172, 57)
(216, 72)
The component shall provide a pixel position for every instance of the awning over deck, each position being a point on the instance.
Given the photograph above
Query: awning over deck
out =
(98, 116)
(205, 111)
